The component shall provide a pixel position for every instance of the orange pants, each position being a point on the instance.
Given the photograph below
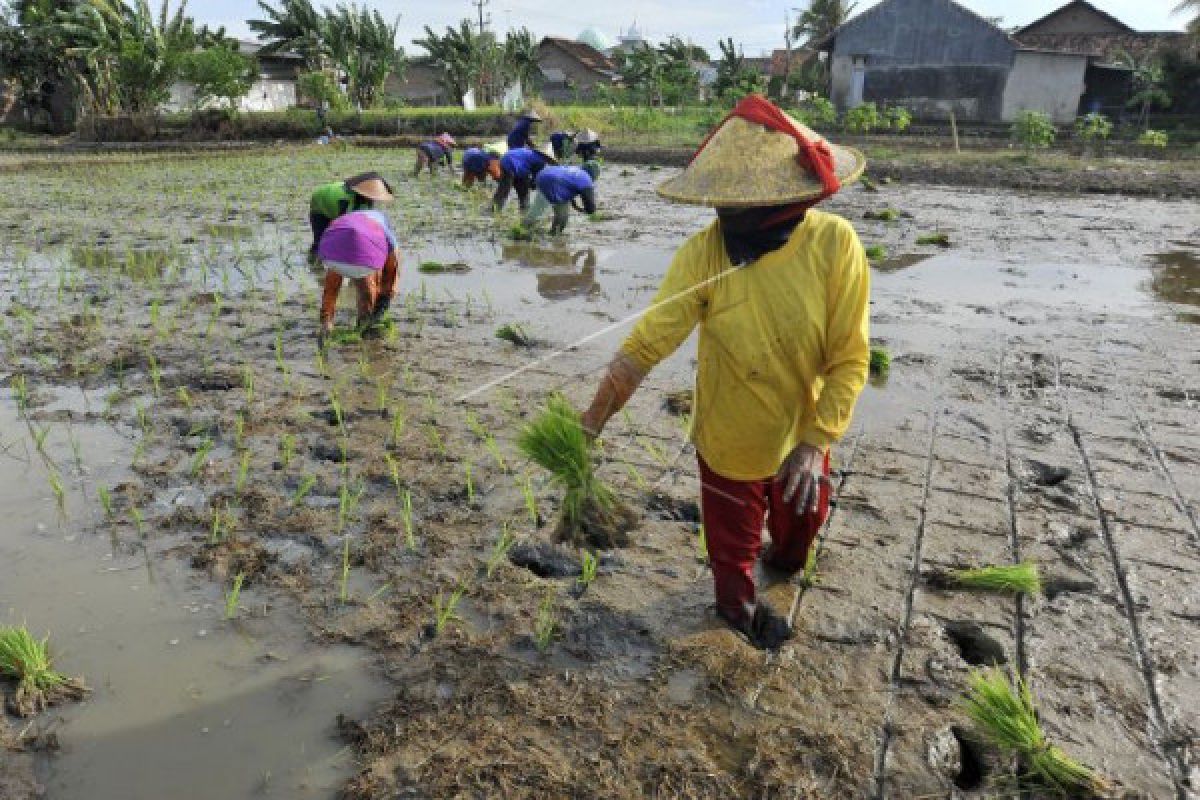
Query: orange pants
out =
(370, 289)
(493, 169)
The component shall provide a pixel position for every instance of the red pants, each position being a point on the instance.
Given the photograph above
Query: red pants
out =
(370, 289)
(733, 513)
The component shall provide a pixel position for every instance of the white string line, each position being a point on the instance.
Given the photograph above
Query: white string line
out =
(591, 337)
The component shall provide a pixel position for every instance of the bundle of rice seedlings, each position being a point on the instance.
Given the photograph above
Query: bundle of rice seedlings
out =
(26, 660)
(513, 332)
(591, 514)
(520, 233)
(1013, 578)
(1004, 712)
(882, 215)
(939, 239)
(875, 252)
(881, 361)
(436, 267)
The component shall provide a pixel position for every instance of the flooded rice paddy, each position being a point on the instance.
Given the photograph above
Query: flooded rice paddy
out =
(159, 320)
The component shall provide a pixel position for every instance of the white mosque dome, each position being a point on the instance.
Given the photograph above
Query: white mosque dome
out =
(595, 39)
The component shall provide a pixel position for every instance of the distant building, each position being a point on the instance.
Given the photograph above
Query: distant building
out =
(573, 70)
(418, 86)
(594, 39)
(275, 89)
(631, 40)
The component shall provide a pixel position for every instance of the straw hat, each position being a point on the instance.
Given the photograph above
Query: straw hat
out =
(745, 164)
(531, 114)
(446, 140)
(587, 136)
(370, 185)
(546, 151)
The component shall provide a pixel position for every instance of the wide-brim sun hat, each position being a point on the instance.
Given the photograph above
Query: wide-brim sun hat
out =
(531, 114)
(587, 136)
(446, 140)
(370, 185)
(747, 163)
(546, 151)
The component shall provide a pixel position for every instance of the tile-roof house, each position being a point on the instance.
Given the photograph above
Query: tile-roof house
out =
(1081, 27)
(936, 57)
(573, 70)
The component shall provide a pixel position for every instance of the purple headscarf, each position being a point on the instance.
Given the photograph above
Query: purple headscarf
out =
(356, 239)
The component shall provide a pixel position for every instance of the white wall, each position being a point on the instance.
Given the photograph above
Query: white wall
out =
(1049, 82)
(265, 95)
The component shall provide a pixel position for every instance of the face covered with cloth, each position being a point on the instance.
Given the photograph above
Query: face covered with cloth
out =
(780, 294)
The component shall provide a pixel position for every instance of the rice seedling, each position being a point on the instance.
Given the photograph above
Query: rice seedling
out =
(248, 383)
(1012, 578)
(39, 439)
(435, 439)
(556, 441)
(306, 485)
(654, 451)
(445, 608)
(520, 233)
(106, 501)
(200, 457)
(939, 239)
(1003, 710)
(60, 492)
(531, 505)
(343, 587)
(500, 549)
(875, 252)
(880, 363)
(20, 390)
(514, 334)
(544, 623)
(239, 430)
(883, 215)
(243, 472)
(636, 474)
(588, 566)
(406, 511)
(701, 544)
(139, 522)
(184, 397)
(808, 578)
(470, 483)
(489, 444)
(216, 531)
(155, 374)
(27, 661)
(287, 449)
(232, 596)
(381, 397)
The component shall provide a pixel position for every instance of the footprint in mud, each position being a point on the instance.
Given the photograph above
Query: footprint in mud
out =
(974, 645)
(545, 560)
(958, 758)
(672, 509)
(1044, 474)
(1053, 587)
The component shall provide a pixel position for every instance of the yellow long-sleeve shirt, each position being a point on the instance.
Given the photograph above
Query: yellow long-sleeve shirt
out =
(783, 348)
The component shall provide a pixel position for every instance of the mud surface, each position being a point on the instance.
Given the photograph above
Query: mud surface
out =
(1054, 336)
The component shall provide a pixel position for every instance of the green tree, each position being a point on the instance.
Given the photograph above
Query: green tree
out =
(220, 73)
(32, 57)
(362, 43)
(521, 58)
(295, 27)
(735, 78)
(461, 57)
(321, 86)
(680, 83)
(821, 18)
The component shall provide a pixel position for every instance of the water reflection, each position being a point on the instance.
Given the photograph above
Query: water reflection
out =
(556, 284)
(1176, 278)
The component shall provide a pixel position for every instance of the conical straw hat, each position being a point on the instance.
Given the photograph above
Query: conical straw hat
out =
(745, 164)
(370, 185)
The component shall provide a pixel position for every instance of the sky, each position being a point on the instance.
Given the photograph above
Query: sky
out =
(757, 25)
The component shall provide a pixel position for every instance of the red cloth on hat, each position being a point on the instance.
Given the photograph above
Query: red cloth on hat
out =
(733, 513)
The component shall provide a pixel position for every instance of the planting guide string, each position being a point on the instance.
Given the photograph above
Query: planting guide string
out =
(1166, 738)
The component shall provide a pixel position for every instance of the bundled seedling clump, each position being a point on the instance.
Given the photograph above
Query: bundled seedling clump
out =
(1005, 714)
(875, 252)
(27, 661)
(513, 333)
(592, 516)
(435, 267)
(939, 239)
(881, 362)
(1013, 578)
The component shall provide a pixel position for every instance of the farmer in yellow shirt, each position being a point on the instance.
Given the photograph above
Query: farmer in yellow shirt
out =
(780, 293)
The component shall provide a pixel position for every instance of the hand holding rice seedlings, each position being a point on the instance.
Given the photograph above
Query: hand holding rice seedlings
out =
(1003, 710)
(500, 549)
(232, 596)
(1013, 578)
(591, 514)
(544, 623)
(27, 661)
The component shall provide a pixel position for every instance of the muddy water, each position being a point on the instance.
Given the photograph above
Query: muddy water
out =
(183, 703)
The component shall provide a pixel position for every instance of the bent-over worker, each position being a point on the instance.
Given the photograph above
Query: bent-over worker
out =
(560, 143)
(478, 164)
(522, 133)
(361, 246)
(332, 200)
(779, 291)
(587, 145)
(559, 188)
(518, 169)
(434, 153)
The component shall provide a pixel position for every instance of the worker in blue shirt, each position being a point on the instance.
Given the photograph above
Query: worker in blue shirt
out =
(518, 168)
(478, 164)
(434, 153)
(560, 142)
(558, 188)
(520, 134)
(587, 144)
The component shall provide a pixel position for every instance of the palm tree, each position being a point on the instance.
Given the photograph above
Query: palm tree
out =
(295, 27)
(821, 18)
(460, 56)
(521, 58)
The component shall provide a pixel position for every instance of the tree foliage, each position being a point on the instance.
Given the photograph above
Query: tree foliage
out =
(220, 73)
(466, 58)
(735, 78)
(821, 18)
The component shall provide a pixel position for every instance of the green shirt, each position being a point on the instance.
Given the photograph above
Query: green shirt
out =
(334, 199)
